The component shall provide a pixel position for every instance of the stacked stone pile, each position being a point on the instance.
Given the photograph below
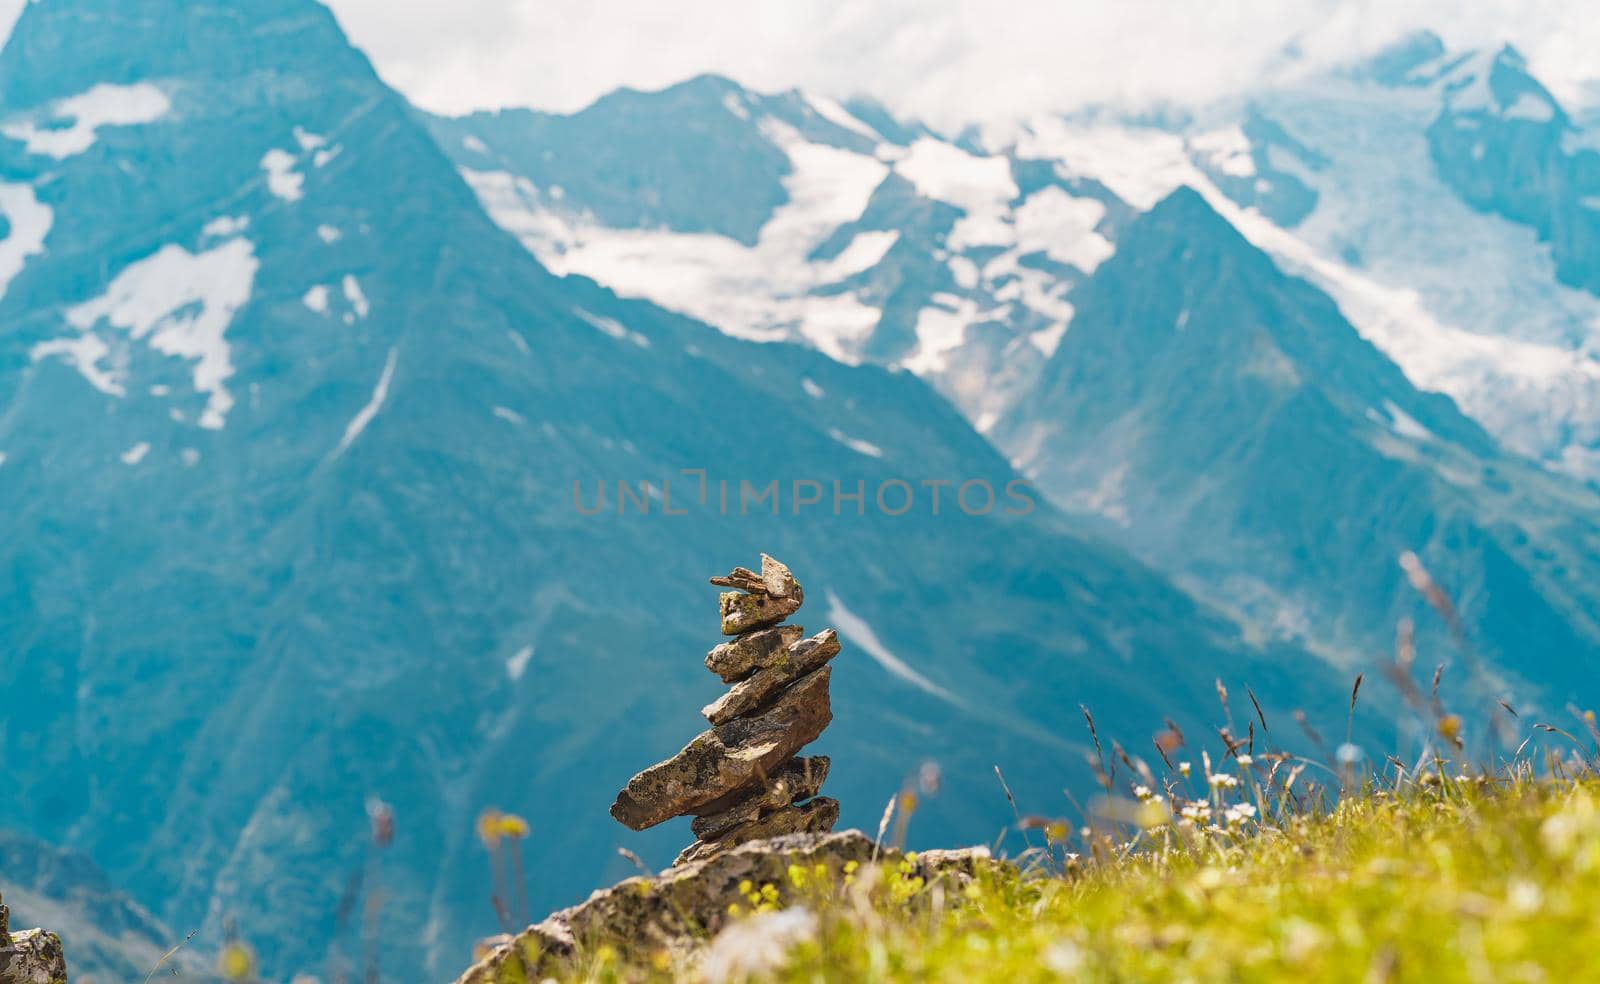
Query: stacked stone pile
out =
(742, 780)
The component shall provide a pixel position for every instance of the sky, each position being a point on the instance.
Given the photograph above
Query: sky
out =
(949, 62)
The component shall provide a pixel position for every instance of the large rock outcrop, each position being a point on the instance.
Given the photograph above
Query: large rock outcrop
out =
(690, 902)
(30, 956)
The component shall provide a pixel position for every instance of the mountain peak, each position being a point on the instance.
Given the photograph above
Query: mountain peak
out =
(1184, 219)
(60, 48)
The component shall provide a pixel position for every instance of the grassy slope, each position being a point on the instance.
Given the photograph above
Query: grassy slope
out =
(1443, 879)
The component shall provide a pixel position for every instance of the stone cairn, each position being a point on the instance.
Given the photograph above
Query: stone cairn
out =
(741, 780)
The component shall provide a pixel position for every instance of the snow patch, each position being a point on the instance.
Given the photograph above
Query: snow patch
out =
(614, 328)
(365, 415)
(282, 178)
(865, 251)
(856, 444)
(82, 353)
(860, 635)
(1404, 424)
(225, 227)
(1530, 107)
(764, 292)
(836, 114)
(509, 415)
(812, 389)
(947, 173)
(179, 304)
(307, 140)
(316, 299)
(475, 145)
(136, 454)
(518, 663)
(964, 271)
(30, 221)
(1063, 227)
(1047, 340)
(1139, 164)
(939, 332)
(357, 298)
(103, 105)
(328, 234)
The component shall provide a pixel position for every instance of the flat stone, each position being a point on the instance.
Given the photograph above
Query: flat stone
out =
(735, 660)
(728, 757)
(797, 779)
(742, 578)
(775, 577)
(759, 689)
(815, 817)
(743, 612)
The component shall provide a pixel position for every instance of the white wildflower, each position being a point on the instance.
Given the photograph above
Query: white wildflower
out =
(1065, 958)
(1524, 896)
(758, 945)
(1244, 761)
(1221, 781)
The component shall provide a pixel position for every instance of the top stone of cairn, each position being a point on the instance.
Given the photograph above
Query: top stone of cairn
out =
(759, 600)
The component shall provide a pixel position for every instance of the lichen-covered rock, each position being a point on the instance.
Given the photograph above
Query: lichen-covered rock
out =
(727, 757)
(737, 659)
(815, 817)
(742, 612)
(32, 956)
(797, 779)
(788, 665)
(761, 600)
(689, 903)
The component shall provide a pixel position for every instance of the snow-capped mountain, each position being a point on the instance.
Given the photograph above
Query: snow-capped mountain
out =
(294, 440)
(793, 217)
(1470, 297)
(1444, 200)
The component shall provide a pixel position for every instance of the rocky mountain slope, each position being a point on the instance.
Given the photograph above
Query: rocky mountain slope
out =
(1281, 464)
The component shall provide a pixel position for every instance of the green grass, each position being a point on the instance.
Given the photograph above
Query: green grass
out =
(1438, 879)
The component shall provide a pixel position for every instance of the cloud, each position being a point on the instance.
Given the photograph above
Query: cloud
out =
(948, 61)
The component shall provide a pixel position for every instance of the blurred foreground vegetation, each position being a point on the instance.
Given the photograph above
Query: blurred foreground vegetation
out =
(1218, 876)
